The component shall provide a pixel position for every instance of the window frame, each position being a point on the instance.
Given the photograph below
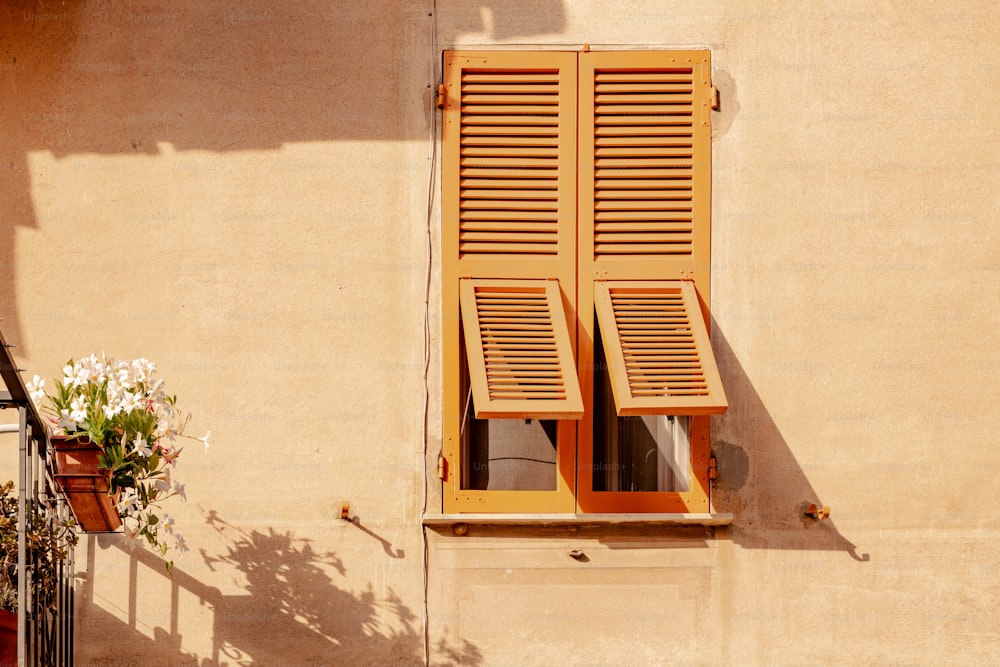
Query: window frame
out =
(576, 268)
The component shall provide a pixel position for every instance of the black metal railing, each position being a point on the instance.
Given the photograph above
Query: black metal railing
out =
(45, 614)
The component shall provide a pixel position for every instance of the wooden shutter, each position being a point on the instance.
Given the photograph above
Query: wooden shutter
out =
(509, 164)
(645, 152)
(645, 204)
(508, 198)
(656, 343)
(518, 345)
(508, 258)
(509, 203)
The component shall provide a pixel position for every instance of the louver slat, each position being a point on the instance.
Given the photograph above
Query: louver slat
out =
(519, 351)
(643, 161)
(656, 343)
(509, 161)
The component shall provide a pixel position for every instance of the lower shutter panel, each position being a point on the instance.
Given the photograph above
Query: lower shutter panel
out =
(519, 350)
(658, 351)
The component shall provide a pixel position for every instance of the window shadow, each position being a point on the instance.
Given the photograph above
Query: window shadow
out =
(759, 479)
(291, 610)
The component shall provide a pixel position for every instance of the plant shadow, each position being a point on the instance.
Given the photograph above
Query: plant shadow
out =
(291, 610)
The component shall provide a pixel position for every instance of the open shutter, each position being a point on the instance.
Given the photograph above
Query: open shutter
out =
(518, 345)
(645, 259)
(656, 343)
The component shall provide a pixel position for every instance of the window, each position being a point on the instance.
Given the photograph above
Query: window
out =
(578, 375)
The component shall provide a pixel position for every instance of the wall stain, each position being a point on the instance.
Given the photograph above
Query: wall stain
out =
(729, 104)
(733, 465)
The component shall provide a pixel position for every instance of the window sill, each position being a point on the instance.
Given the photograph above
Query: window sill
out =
(678, 519)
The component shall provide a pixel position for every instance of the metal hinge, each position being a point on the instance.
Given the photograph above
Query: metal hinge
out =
(715, 98)
(713, 471)
(439, 99)
(442, 471)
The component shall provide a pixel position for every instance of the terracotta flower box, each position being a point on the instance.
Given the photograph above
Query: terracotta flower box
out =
(84, 484)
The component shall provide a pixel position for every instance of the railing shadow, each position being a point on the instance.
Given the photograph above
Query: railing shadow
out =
(759, 479)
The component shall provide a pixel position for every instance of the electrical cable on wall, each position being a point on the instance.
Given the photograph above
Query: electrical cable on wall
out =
(427, 303)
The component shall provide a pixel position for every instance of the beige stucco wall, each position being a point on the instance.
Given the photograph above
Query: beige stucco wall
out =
(239, 191)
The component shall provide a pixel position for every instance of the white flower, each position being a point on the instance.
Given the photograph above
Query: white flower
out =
(79, 406)
(142, 448)
(36, 388)
(129, 401)
(114, 389)
(84, 371)
(142, 370)
(128, 504)
(204, 439)
(66, 421)
(168, 523)
(79, 375)
(162, 484)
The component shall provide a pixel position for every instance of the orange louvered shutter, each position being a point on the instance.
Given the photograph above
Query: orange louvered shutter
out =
(520, 357)
(509, 152)
(645, 199)
(575, 185)
(645, 257)
(645, 152)
(509, 213)
(509, 164)
(656, 343)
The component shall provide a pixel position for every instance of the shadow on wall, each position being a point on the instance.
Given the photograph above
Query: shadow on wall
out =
(503, 20)
(759, 480)
(290, 613)
(163, 76)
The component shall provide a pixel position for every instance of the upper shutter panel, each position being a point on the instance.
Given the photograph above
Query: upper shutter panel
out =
(657, 347)
(509, 168)
(519, 350)
(645, 154)
(509, 162)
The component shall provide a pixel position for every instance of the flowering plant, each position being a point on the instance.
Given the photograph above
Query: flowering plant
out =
(122, 407)
(48, 544)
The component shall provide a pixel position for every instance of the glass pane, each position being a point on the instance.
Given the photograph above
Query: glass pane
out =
(511, 455)
(647, 453)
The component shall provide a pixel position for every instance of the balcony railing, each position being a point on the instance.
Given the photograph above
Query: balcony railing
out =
(44, 627)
